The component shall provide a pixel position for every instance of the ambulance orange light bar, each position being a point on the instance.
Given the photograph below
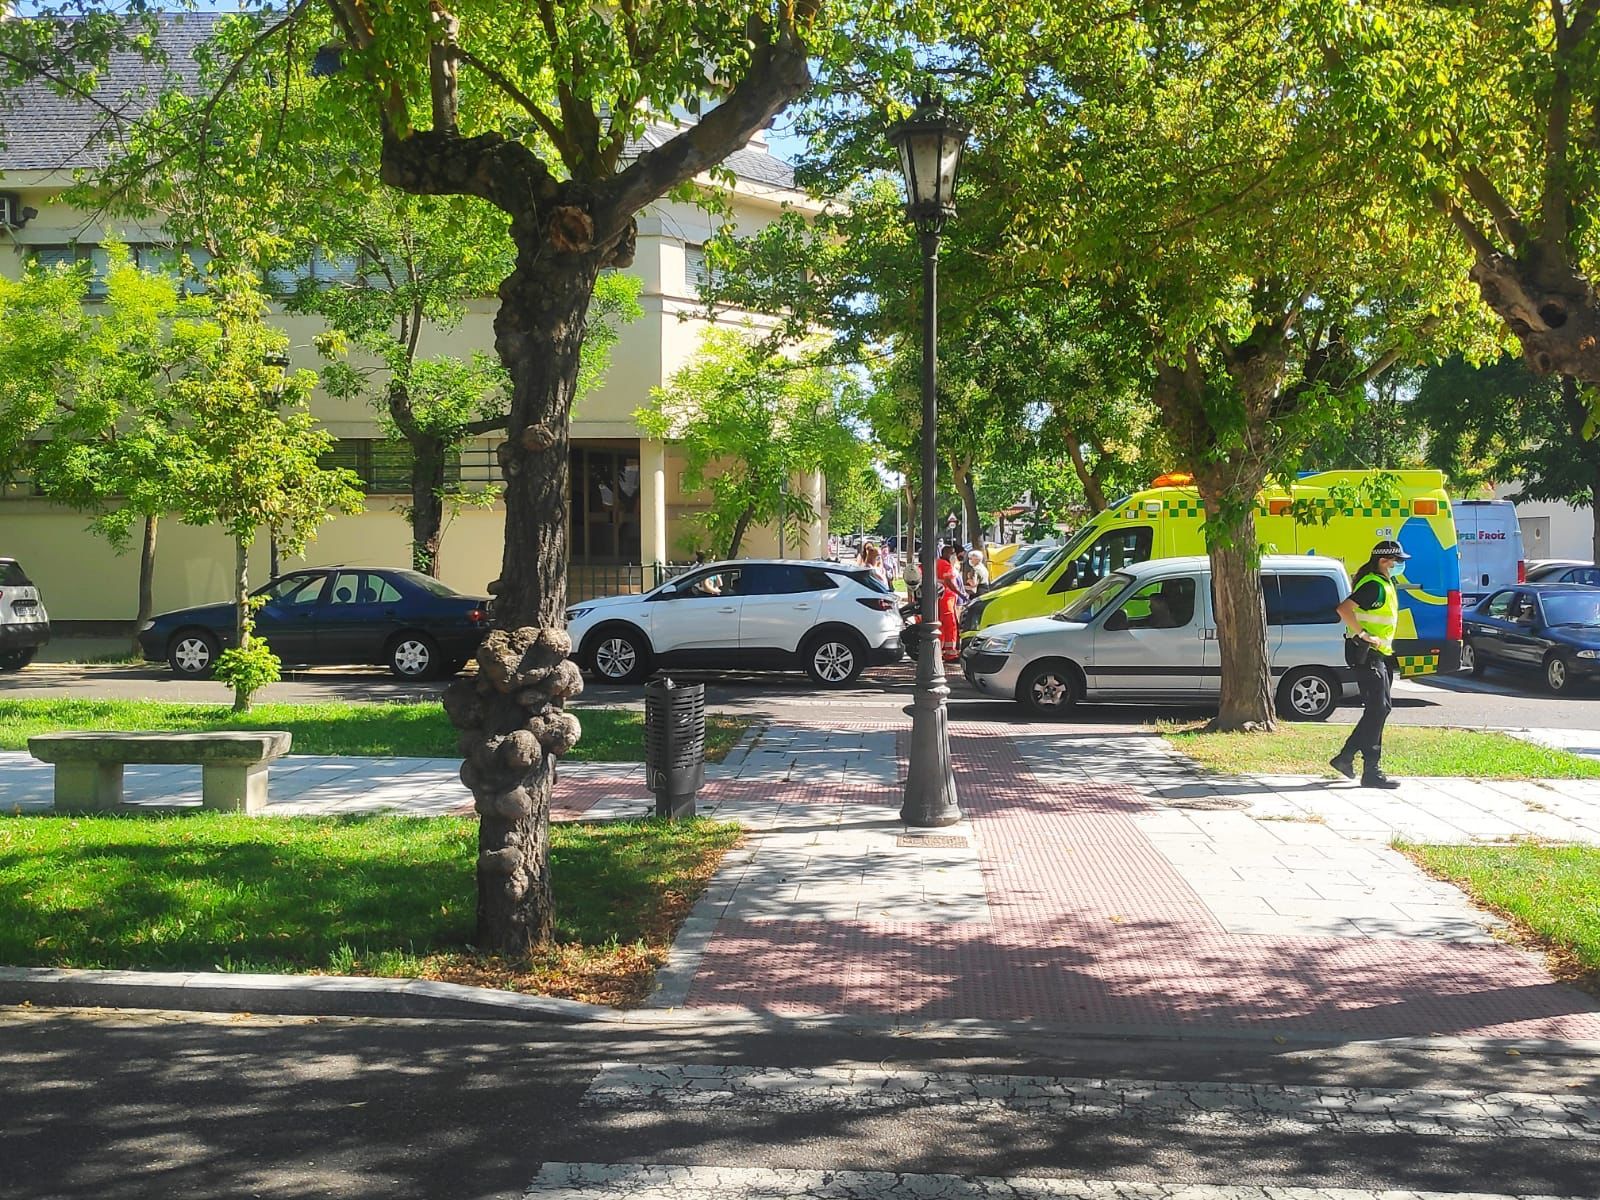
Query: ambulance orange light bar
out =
(1173, 479)
(1277, 508)
(1425, 508)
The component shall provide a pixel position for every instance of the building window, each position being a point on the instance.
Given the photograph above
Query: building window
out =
(326, 270)
(697, 271)
(383, 466)
(604, 505)
(147, 256)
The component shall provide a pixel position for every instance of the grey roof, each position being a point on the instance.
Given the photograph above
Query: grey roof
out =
(40, 129)
(43, 130)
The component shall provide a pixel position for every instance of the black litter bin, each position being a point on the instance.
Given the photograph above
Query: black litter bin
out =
(675, 744)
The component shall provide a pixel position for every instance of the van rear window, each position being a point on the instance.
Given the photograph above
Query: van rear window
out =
(1301, 599)
(12, 575)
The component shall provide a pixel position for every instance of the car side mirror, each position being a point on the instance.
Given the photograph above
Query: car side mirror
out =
(1116, 621)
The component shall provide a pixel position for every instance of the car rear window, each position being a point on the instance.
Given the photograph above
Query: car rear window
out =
(1301, 599)
(869, 580)
(427, 583)
(12, 575)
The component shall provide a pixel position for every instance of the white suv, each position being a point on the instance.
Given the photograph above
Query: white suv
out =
(24, 625)
(763, 614)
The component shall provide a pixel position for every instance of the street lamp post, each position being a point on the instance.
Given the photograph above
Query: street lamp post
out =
(929, 145)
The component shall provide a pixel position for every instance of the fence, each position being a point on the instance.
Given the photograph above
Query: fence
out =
(585, 581)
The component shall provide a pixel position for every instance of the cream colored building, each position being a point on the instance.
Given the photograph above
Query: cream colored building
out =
(627, 509)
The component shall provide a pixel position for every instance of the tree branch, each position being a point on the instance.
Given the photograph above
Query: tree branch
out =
(1477, 241)
(1506, 221)
(505, 173)
(527, 103)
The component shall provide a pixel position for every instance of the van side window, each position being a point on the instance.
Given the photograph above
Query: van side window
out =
(1111, 551)
(1166, 604)
(1301, 599)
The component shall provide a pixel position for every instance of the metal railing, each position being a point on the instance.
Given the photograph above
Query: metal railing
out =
(586, 581)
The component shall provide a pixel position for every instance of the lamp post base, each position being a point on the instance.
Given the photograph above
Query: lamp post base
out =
(930, 797)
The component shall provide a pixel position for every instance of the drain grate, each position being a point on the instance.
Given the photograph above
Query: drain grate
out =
(933, 841)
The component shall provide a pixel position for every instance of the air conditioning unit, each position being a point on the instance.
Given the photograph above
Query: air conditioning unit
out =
(12, 214)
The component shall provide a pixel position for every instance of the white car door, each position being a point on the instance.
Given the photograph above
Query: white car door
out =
(781, 603)
(1152, 643)
(692, 617)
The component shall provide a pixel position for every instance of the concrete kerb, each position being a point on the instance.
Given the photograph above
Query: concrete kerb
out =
(421, 999)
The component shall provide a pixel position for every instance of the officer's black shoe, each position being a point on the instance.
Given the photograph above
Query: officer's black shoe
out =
(1377, 779)
(1345, 764)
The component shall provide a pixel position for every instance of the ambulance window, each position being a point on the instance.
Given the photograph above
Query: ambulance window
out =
(1111, 551)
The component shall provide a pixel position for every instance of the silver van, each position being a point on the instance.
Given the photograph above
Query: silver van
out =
(1146, 633)
(24, 625)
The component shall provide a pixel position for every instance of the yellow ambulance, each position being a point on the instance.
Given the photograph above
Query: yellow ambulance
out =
(1337, 514)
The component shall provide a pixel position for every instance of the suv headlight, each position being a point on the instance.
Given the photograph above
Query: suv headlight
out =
(998, 645)
(1589, 653)
(574, 613)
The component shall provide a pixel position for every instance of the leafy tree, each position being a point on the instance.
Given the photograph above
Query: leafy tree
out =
(858, 499)
(749, 421)
(80, 386)
(242, 448)
(1483, 113)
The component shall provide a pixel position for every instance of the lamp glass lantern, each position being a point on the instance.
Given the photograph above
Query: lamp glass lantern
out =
(929, 143)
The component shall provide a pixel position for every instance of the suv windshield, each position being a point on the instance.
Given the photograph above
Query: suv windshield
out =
(1096, 600)
(1571, 608)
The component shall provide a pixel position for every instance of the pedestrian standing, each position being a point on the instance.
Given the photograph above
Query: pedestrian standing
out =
(1372, 613)
(891, 562)
(950, 598)
(875, 564)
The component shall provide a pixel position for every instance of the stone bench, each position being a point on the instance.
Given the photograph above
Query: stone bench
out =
(233, 765)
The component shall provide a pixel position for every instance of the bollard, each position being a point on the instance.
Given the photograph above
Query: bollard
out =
(674, 744)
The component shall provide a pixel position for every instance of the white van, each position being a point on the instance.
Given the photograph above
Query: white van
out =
(1491, 547)
(1146, 633)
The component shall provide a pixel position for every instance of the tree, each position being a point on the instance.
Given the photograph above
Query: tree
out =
(749, 421)
(80, 386)
(1483, 113)
(242, 449)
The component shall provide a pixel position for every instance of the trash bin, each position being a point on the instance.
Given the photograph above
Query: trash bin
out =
(675, 744)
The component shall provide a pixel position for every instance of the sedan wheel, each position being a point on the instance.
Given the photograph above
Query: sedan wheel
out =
(833, 662)
(1470, 661)
(1558, 674)
(193, 654)
(414, 656)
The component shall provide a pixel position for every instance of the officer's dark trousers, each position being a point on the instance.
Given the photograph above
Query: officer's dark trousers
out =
(1375, 677)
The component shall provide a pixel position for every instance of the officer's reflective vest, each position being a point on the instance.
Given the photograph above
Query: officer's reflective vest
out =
(1382, 621)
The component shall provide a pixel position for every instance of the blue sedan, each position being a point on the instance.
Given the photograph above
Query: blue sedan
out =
(407, 621)
(1551, 628)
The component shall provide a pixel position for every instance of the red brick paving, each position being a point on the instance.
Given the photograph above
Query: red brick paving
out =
(1090, 924)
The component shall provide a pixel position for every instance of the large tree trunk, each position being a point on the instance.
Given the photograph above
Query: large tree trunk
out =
(968, 491)
(740, 527)
(1246, 698)
(1549, 305)
(241, 614)
(147, 578)
(512, 716)
(427, 504)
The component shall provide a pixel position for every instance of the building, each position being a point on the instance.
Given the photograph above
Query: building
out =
(627, 509)
(1550, 528)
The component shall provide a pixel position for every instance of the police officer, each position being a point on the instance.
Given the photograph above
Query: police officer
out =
(1372, 613)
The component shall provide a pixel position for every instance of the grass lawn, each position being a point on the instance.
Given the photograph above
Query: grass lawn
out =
(1304, 749)
(416, 730)
(1552, 893)
(389, 896)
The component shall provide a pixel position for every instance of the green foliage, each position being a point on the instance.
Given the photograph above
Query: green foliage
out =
(750, 422)
(247, 669)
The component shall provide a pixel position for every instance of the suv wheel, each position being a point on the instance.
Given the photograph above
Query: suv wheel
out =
(1308, 695)
(1558, 676)
(15, 660)
(619, 656)
(192, 654)
(834, 659)
(1049, 689)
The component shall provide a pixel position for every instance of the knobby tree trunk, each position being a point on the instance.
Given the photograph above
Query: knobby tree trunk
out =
(740, 527)
(147, 577)
(967, 489)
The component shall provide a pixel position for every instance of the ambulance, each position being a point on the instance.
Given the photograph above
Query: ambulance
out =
(1336, 514)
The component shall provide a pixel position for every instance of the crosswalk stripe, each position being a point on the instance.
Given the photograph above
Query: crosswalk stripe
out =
(1452, 1113)
(643, 1181)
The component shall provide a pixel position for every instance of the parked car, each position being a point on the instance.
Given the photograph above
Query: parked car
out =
(1017, 574)
(1147, 633)
(826, 618)
(1562, 570)
(24, 624)
(1550, 628)
(407, 621)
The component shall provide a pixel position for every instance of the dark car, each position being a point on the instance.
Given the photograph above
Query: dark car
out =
(1019, 574)
(1552, 628)
(407, 621)
(1564, 571)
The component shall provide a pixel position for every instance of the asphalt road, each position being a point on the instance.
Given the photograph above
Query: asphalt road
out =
(109, 1104)
(1497, 701)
